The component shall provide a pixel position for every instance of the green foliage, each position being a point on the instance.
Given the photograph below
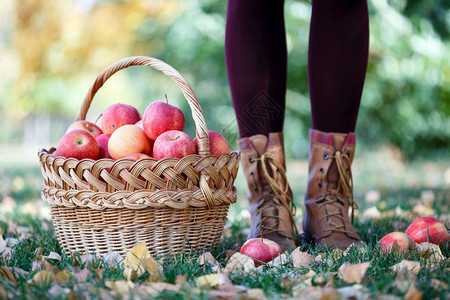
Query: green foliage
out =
(405, 100)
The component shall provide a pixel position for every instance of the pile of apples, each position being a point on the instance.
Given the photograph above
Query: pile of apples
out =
(124, 134)
(424, 229)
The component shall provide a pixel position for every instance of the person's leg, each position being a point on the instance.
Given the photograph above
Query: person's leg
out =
(256, 60)
(337, 62)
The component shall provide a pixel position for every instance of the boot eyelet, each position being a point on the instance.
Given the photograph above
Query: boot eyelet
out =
(348, 154)
(326, 156)
(251, 160)
(320, 184)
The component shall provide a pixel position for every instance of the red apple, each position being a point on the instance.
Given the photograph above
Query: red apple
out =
(126, 140)
(217, 143)
(117, 115)
(160, 117)
(78, 144)
(137, 156)
(396, 241)
(102, 141)
(428, 229)
(173, 143)
(86, 126)
(261, 249)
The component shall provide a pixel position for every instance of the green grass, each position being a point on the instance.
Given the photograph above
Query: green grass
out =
(25, 217)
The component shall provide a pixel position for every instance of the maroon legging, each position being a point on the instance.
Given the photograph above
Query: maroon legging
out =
(256, 59)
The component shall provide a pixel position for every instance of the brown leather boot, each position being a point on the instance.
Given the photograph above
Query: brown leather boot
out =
(330, 190)
(270, 198)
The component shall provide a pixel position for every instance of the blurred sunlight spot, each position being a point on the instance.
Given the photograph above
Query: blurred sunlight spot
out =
(447, 177)
(18, 183)
(428, 45)
(84, 5)
(212, 26)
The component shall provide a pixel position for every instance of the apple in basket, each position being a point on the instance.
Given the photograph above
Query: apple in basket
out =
(261, 249)
(117, 115)
(217, 143)
(137, 156)
(160, 117)
(86, 126)
(127, 140)
(78, 144)
(428, 229)
(173, 143)
(102, 141)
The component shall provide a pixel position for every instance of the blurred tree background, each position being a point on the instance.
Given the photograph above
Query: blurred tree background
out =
(52, 50)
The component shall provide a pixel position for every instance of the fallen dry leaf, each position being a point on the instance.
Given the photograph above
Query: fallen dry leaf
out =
(133, 261)
(413, 293)
(154, 288)
(63, 277)
(42, 278)
(278, 261)
(2, 244)
(254, 294)
(82, 275)
(121, 287)
(352, 273)
(356, 291)
(430, 251)
(316, 292)
(240, 262)
(421, 210)
(413, 266)
(8, 275)
(438, 285)
(87, 258)
(213, 280)
(53, 255)
(207, 258)
(113, 259)
(404, 279)
(301, 259)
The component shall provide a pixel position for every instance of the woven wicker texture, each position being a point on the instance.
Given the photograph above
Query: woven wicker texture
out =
(173, 205)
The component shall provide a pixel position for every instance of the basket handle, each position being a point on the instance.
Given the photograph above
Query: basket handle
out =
(201, 129)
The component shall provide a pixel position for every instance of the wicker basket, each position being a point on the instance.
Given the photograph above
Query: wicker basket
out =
(173, 205)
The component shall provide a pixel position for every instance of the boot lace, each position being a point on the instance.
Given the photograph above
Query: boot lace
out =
(282, 195)
(345, 184)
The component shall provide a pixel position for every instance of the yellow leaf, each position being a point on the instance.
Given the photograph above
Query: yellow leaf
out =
(351, 273)
(8, 275)
(255, 294)
(301, 259)
(152, 267)
(121, 287)
(138, 260)
(410, 265)
(213, 280)
(43, 278)
(63, 276)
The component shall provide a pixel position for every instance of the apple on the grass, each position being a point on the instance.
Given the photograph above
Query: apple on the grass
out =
(217, 143)
(127, 140)
(160, 117)
(396, 241)
(428, 229)
(173, 143)
(102, 141)
(78, 144)
(261, 249)
(118, 115)
(86, 126)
